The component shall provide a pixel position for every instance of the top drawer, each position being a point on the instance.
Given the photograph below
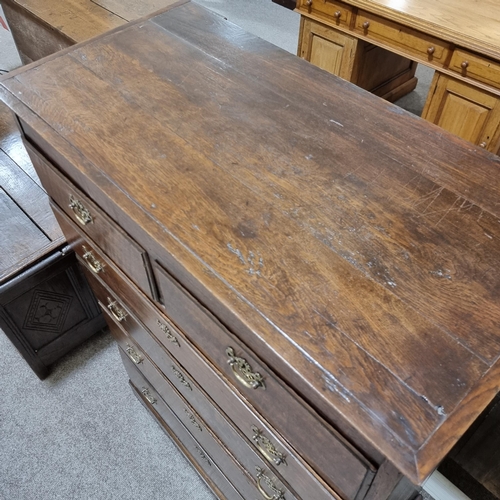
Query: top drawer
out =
(332, 12)
(411, 43)
(330, 454)
(476, 67)
(118, 245)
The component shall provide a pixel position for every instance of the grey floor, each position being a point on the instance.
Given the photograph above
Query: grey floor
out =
(81, 434)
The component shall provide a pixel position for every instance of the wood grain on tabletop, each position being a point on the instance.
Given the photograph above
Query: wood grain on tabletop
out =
(469, 24)
(366, 238)
(80, 20)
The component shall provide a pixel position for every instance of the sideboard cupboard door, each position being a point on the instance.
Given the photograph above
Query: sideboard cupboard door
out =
(326, 48)
(370, 67)
(464, 110)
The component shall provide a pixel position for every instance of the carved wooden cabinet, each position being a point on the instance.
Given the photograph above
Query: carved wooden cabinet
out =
(301, 281)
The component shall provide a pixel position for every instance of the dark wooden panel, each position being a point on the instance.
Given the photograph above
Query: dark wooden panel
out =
(49, 309)
(22, 242)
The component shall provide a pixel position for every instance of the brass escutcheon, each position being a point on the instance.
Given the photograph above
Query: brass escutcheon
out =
(81, 213)
(181, 378)
(166, 330)
(243, 371)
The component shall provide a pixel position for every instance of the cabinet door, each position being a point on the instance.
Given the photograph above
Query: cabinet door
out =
(469, 112)
(329, 49)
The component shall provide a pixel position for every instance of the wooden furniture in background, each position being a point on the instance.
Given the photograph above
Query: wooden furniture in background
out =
(46, 305)
(303, 281)
(459, 40)
(42, 28)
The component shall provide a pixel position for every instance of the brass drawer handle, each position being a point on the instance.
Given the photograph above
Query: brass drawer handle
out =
(95, 265)
(277, 494)
(118, 313)
(166, 330)
(203, 456)
(193, 420)
(147, 394)
(267, 448)
(243, 371)
(133, 355)
(181, 378)
(81, 213)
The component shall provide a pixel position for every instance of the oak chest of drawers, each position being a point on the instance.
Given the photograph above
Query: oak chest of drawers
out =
(301, 278)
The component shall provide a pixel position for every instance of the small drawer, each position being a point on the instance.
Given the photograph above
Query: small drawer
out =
(411, 43)
(89, 251)
(332, 12)
(199, 457)
(113, 241)
(338, 460)
(476, 67)
(186, 367)
(160, 387)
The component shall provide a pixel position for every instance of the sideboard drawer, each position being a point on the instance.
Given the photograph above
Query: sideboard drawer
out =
(476, 67)
(411, 43)
(333, 12)
(94, 222)
(177, 431)
(339, 461)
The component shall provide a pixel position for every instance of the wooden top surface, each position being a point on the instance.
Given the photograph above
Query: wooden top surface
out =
(351, 244)
(466, 23)
(28, 228)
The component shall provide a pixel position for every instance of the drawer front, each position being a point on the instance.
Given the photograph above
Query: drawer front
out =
(199, 457)
(316, 441)
(414, 44)
(246, 427)
(94, 222)
(476, 67)
(135, 358)
(333, 12)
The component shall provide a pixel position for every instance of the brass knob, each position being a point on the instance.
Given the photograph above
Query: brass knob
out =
(465, 65)
(366, 25)
(431, 50)
(337, 14)
(483, 145)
